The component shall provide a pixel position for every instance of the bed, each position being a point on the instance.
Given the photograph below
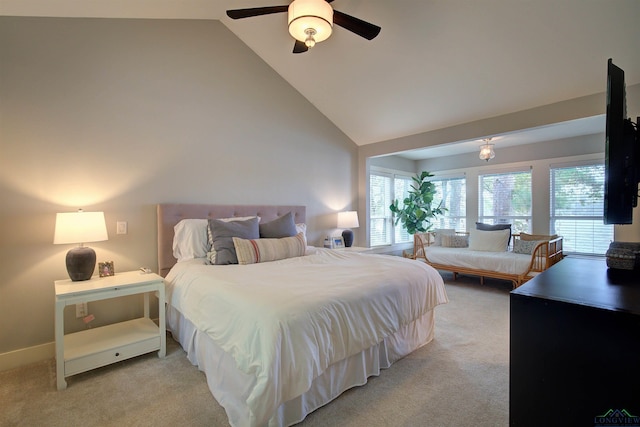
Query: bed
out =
(279, 339)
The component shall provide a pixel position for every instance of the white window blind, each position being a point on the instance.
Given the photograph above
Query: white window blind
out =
(577, 199)
(452, 192)
(379, 213)
(505, 198)
(384, 188)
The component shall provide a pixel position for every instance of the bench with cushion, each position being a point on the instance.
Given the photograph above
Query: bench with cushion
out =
(487, 253)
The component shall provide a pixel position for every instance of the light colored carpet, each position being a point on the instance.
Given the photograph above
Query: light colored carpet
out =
(460, 379)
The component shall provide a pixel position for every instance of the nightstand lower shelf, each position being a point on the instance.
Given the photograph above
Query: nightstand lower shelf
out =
(102, 346)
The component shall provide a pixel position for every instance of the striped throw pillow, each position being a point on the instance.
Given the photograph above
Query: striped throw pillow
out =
(252, 251)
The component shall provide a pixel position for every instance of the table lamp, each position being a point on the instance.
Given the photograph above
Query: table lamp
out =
(348, 220)
(80, 227)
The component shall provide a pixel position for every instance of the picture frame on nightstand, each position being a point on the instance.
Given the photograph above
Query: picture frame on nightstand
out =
(337, 242)
(105, 269)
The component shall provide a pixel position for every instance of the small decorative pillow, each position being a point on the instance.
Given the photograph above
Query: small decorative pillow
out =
(489, 241)
(438, 233)
(190, 239)
(264, 250)
(455, 241)
(283, 226)
(223, 233)
(525, 246)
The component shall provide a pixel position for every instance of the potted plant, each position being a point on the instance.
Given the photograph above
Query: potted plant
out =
(416, 211)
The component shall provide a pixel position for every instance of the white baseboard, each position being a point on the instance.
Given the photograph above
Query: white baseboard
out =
(25, 356)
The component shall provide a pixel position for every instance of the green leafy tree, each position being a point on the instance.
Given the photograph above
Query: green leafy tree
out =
(417, 211)
(580, 185)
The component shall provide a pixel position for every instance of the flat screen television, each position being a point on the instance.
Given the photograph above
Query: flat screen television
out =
(622, 155)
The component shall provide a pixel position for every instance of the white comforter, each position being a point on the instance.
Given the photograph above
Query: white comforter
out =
(285, 322)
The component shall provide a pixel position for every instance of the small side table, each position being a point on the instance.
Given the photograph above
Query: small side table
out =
(92, 348)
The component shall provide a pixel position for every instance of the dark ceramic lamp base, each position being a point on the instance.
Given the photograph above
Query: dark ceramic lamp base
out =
(347, 235)
(81, 262)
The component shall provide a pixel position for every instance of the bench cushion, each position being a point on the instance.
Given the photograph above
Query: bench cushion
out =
(502, 262)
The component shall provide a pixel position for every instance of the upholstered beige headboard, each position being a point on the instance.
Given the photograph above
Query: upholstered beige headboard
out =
(170, 214)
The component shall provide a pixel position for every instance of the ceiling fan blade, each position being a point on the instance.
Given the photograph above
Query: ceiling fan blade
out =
(255, 11)
(355, 25)
(300, 47)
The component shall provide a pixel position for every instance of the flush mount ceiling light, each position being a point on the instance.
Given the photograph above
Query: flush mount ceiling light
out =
(486, 150)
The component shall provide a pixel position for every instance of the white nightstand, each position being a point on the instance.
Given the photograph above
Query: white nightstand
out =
(92, 348)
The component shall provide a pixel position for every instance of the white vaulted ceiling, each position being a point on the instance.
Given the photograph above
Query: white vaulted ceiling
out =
(435, 64)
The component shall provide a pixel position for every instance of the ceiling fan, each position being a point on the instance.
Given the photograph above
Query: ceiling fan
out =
(311, 21)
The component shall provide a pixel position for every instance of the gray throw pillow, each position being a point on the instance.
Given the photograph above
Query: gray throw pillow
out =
(454, 241)
(492, 227)
(223, 233)
(525, 247)
(283, 226)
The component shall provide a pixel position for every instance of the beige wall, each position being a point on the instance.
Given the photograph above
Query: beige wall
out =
(119, 115)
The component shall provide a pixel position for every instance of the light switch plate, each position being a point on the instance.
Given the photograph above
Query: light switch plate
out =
(121, 227)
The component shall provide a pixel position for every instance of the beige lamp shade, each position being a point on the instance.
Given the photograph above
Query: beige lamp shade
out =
(80, 227)
(348, 219)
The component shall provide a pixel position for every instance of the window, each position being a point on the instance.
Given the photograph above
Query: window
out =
(384, 188)
(577, 200)
(379, 213)
(452, 192)
(505, 198)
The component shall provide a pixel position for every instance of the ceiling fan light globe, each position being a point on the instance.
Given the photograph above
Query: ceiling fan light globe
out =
(310, 42)
(316, 15)
(486, 152)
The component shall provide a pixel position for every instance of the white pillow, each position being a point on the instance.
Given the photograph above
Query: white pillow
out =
(251, 251)
(489, 241)
(302, 228)
(190, 239)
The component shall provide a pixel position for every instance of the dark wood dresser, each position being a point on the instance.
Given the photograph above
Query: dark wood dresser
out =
(575, 346)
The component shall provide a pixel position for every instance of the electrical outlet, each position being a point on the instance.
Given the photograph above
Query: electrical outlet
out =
(121, 227)
(81, 310)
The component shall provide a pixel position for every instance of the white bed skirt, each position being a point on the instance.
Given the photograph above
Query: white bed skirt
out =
(230, 387)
